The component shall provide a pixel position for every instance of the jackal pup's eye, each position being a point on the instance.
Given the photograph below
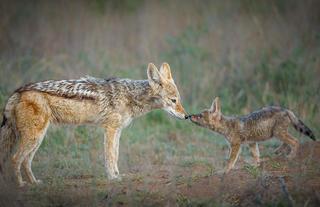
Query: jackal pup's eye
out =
(173, 100)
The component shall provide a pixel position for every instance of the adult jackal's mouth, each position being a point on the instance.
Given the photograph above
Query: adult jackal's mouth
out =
(182, 117)
(175, 114)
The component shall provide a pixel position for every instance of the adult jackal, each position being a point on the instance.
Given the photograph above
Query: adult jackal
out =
(109, 103)
(258, 126)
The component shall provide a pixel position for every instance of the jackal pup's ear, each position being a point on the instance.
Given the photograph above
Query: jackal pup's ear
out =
(154, 76)
(215, 107)
(165, 71)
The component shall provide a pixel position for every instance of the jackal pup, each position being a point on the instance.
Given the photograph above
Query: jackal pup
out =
(108, 103)
(258, 126)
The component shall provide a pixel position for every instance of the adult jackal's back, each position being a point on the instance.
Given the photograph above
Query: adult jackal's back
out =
(109, 103)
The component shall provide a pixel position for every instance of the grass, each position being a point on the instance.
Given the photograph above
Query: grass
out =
(253, 170)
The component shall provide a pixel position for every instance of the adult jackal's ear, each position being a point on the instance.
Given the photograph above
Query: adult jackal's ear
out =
(165, 71)
(215, 107)
(154, 76)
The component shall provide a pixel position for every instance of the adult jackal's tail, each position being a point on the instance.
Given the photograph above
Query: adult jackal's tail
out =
(8, 135)
(300, 126)
(7, 141)
(9, 194)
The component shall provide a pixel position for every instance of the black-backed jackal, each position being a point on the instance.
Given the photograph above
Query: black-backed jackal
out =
(109, 103)
(258, 126)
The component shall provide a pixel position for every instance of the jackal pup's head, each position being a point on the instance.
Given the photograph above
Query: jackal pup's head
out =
(209, 118)
(163, 85)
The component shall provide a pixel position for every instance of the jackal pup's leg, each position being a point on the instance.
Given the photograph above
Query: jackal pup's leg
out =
(32, 121)
(234, 154)
(111, 147)
(290, 140)
(283, 148)
(283, 134)
(254, 149)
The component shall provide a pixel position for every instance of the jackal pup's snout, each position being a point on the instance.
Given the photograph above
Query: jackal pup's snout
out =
(194, 117)
(199, 118)
(208, 118)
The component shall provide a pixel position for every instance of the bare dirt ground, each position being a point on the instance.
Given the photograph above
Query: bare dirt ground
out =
(277, 182)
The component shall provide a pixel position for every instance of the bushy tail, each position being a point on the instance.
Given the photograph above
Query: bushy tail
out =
(8, 136)
(300, 126)
(7, 141)
(9, 193)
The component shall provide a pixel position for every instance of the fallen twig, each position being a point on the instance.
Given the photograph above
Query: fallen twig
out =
(286, 192)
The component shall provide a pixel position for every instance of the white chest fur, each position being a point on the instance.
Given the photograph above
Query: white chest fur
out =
(126, 121)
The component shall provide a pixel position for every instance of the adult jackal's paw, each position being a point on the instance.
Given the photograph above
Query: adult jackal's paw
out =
(22, 184)
(38, 182)
(114, 177)
(113, 172)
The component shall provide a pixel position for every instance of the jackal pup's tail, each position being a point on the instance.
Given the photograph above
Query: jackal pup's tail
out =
(300, 126)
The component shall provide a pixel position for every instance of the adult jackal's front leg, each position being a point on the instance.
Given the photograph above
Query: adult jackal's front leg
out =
(111, 138)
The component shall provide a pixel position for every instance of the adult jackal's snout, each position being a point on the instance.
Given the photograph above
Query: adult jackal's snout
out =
(162, 83)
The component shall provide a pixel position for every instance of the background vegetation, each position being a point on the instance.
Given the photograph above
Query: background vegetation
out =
(251, 53)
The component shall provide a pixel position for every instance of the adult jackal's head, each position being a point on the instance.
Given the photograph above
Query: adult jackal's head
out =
(163, 85)
(210, 118)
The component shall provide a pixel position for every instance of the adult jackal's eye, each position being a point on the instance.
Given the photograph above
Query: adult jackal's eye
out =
(174, 100)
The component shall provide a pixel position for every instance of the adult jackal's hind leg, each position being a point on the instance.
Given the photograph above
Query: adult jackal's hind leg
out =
(27, 147)
(28, 160)
(32, 120)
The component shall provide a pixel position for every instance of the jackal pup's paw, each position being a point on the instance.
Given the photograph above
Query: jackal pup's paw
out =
(255, 163)
(220, 172)
(292, 155)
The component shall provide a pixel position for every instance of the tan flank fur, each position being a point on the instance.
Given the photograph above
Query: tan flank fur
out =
(108, 103)
(258, 126)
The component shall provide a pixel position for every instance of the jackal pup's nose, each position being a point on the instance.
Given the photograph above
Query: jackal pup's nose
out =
(194, 117)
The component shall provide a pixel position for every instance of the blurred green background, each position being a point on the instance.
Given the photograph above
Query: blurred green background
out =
(251, 53)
